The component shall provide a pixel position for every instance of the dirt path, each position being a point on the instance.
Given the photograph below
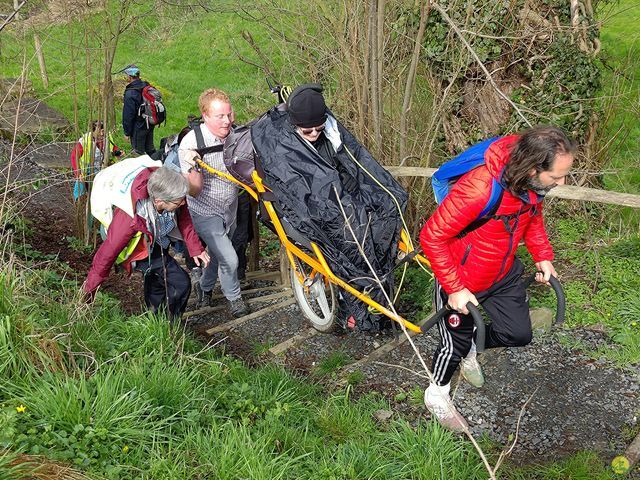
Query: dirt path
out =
(578, 403)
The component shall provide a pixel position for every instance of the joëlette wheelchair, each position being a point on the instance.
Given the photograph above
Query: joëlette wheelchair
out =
(314, 284)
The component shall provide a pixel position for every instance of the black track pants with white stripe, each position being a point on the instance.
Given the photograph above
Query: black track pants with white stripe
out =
(506, 305)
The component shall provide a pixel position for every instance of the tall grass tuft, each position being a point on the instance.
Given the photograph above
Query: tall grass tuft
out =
(12, 467)
(102, 401)
(583, 466)
(340, 419)
(24, 345)
(237, 451)
(429, 452)
(15, 466)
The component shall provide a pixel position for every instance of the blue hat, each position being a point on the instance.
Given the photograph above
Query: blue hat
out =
(131, 70)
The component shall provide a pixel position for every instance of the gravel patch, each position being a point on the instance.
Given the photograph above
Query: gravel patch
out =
(577, 402)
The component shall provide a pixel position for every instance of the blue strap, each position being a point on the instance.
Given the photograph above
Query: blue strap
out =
(79, 189)
(494, 198)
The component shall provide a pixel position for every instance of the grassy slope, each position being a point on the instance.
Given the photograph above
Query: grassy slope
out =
(620, 37)
(121, 397)
(181, 59)
(196, 417)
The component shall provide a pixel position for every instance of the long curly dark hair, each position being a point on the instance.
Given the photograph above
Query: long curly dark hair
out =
(536, 149)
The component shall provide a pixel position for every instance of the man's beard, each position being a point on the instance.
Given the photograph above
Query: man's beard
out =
(536, 186)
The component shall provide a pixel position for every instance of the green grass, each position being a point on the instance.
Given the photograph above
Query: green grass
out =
(600, 273)
(621, 51)
(181, 58)
(127, 397)
(584, 466)
(332, 363)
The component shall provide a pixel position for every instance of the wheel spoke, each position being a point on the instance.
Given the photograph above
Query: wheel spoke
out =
(321, 297)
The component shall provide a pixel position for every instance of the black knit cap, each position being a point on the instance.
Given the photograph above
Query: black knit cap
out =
(306, 106)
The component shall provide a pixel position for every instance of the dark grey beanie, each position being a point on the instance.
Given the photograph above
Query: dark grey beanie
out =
(306, 106)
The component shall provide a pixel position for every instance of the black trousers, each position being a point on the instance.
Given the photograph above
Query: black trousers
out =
(243, 233)
(142, 140)
(162, 270)
(507, 306)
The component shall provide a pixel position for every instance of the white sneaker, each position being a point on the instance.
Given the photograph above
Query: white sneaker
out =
(471, 370)
(438, 402)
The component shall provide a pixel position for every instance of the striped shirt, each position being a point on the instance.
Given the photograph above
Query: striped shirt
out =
(219, 196)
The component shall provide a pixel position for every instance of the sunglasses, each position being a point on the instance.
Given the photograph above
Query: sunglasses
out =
(309, 131)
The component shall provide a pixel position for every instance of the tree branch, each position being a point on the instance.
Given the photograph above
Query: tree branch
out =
(12, 15)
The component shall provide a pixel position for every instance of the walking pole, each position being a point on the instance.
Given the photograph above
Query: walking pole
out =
(166, 285)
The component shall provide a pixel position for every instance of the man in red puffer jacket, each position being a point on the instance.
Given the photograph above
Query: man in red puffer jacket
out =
(480, 264)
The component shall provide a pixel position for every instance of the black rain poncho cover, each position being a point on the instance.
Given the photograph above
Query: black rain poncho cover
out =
(308, 190)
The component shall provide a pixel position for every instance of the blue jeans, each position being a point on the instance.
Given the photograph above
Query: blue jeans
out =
(214, 233)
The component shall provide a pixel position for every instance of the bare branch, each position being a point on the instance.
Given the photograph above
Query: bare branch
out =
(12, 15)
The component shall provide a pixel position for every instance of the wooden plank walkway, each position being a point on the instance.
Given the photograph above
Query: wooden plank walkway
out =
(381, 351)
(251, 316)
(294, 340)
(249, 301)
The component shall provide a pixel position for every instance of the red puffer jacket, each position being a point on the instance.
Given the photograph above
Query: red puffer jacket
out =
(483, 256)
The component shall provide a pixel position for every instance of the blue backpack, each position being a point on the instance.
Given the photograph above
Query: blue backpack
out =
(171, 159)
(450, 172)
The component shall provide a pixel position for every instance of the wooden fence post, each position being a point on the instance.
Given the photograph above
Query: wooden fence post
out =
(284, 268)
(43, 67)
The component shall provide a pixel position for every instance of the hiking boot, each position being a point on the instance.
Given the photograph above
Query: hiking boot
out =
(438, 402)
(471, 370)
(199, 294)
(204, 298)
(238, 308)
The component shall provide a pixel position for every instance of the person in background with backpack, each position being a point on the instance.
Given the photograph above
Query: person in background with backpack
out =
(87, 157)
(137, 129)
(213, 201)
(474, 259)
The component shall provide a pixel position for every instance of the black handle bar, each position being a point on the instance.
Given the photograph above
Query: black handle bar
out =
(477, 320)
(561, 303)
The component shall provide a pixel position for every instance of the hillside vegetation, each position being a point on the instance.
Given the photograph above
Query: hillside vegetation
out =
(111, 396)
(621, 71)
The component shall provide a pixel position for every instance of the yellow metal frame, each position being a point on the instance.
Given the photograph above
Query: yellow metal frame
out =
(231, 178)
(318, 264)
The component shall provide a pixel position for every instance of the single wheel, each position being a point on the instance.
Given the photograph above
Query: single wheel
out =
(316, 298)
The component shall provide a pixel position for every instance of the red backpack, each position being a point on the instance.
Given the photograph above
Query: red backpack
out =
(152, 109)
